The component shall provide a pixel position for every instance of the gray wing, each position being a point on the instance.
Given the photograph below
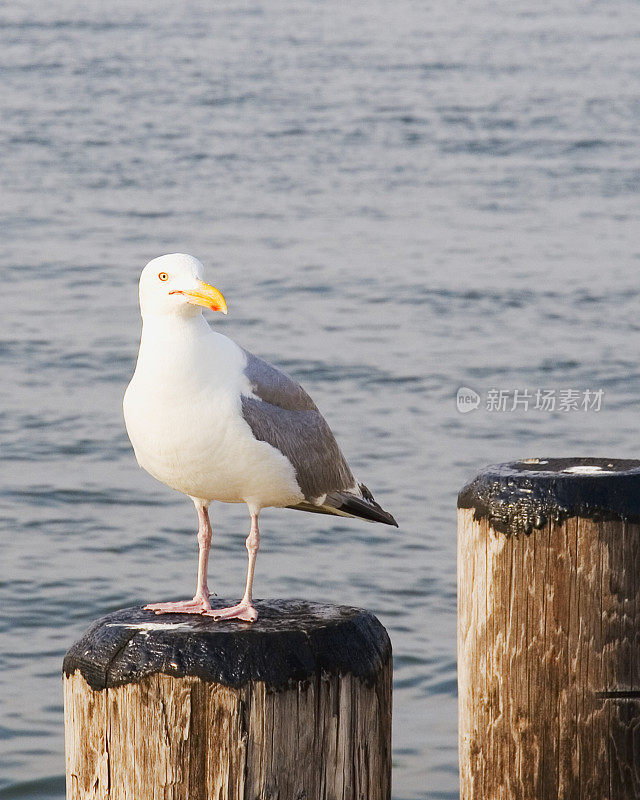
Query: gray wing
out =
(283, 415)
(276, 387)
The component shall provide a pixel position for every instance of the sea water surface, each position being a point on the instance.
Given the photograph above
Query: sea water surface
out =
(398, 200)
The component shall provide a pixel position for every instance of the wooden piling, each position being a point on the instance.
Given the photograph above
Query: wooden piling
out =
(549, 631)
(296, 706)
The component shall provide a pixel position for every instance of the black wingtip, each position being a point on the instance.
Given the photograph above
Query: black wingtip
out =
(389, 520)
(365, 510)
(364, 507)
(383, 516)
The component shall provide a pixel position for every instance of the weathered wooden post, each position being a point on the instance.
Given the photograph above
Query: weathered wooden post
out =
(296, 706)
(549, 631)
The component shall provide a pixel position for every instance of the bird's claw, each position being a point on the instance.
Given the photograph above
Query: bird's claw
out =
(244, 612)
(197, 605)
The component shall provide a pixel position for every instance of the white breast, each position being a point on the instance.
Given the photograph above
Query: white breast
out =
(183, 415)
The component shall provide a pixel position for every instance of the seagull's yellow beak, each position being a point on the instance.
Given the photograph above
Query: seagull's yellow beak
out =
(204, 295)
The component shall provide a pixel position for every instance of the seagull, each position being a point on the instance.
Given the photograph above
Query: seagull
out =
(213, 421)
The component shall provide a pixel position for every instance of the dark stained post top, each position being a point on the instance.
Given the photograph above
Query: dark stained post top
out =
(521, 496)
(291, 641)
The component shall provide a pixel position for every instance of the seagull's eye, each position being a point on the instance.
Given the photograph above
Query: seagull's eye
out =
(163, 276)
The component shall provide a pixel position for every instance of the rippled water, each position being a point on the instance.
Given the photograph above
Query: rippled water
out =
(397, 199)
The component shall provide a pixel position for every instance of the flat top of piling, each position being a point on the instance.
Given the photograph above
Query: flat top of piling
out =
(522, 495)
(291, 641)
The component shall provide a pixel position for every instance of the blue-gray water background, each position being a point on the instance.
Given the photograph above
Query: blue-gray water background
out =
(397, 199)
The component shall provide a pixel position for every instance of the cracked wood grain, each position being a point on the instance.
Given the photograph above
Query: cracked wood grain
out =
(548, 665)
(327, 737)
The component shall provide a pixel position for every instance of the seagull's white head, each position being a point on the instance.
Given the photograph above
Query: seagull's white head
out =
(173, 284)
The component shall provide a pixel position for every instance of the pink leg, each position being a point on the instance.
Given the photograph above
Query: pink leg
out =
(244, 610)
(200, 601)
